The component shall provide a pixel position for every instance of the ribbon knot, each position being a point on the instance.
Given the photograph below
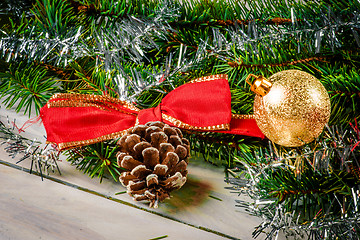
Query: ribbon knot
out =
(204, 104)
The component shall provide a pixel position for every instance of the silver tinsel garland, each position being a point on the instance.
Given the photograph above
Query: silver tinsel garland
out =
(336, 143)
(43, 158)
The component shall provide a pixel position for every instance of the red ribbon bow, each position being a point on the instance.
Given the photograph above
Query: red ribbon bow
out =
(204, 104)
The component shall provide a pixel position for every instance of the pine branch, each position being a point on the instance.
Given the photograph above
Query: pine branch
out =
(344, 89)
(26, 87)
(54, 17)
(228, 23)
(219, 149)
(316, 183)
(96, 160)
(116, 10)
(120, 11)
(62, 73)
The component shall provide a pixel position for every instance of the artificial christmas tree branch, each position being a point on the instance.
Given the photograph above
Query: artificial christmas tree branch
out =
(61, 72)
(96, 160)
(227, 23)
(279, 184)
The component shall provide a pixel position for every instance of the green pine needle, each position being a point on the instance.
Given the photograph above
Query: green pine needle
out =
(96, 160)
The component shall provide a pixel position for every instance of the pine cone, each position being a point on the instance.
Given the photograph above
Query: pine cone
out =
(156, 156)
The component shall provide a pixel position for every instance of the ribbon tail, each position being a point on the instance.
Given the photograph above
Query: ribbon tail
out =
(70, 123)
(246, 127)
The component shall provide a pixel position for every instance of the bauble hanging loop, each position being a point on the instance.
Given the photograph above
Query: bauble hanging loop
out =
(261, 85)
(295, 109)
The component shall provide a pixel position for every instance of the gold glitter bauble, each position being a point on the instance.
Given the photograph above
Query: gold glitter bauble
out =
(295, 110)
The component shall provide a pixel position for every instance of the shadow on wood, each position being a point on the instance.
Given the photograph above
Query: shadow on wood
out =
(194, 193)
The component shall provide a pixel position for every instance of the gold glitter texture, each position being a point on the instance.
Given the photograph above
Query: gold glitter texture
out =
(89, 100)
(242, 116)
(210, 78)
(68, 145)
(295, 110)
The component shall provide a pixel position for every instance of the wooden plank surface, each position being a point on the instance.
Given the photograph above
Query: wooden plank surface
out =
(203, 202)
(32, 209)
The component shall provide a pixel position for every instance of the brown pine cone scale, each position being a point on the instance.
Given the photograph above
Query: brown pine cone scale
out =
(155, 156)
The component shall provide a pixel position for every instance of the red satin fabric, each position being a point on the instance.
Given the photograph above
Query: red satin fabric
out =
(199, 104)
(71, 124)
(183, 103)
(150, 115)
(246, 127)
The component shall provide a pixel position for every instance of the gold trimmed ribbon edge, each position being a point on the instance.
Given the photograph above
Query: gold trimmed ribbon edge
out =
(210, 78)
(65, 103)
(81, 143)
(75, 97)
(242, 116)
(182, 125)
